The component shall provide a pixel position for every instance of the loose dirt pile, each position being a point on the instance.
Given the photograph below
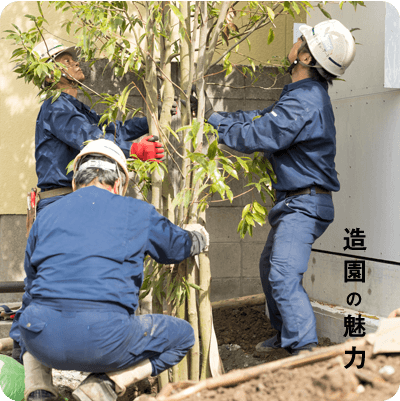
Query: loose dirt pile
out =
(378, 380)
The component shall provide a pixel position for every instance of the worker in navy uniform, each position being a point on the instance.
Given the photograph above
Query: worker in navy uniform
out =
(64, 125)
(297, 135)
(84, 269)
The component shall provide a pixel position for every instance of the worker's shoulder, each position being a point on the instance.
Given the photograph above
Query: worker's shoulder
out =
(314, 95)
(63, 102)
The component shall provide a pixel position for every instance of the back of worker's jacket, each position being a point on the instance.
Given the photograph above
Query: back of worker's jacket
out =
(91, 244)
(297, 134)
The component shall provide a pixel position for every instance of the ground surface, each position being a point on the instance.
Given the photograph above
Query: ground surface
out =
(323, 381)
(238, 331)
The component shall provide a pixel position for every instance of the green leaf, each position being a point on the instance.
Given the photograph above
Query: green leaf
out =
(177, 13)
(271, 14)
(199, 175)
(187, 198)
(229, 194)
(259, 219)
(249, 220)
(258, 208)
(308, 4)
(305, 9)
(245, 210)
(56, 96)
(195, 286)
(212, 150)
(271, 36)
(243, 164)
(172, 132)
(70, 166)
(323, 11)
(296, 7)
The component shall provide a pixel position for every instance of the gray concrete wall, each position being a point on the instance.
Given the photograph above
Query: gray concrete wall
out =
(12, 250)
(234, 261)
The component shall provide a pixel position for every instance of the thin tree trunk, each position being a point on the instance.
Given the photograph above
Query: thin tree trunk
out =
(193, 319)
(180, 371)
(152, 112)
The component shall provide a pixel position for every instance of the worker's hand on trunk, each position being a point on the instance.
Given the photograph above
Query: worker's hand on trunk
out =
(194, 104)
(174, 107)
(199, 236)
(148, 149)
(395, 313)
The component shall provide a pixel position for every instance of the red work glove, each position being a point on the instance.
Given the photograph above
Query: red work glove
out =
(148, 149)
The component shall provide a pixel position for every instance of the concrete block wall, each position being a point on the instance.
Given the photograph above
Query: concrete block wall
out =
(234, 261)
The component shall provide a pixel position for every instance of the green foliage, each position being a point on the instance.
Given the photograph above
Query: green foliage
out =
(142, 173)
(165, 283)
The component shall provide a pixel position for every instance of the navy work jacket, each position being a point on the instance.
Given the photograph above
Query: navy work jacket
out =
(61, 129)
(297, 134)
(90, 245)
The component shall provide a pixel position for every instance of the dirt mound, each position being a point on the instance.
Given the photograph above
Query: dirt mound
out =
(244, 327)
(322, 381)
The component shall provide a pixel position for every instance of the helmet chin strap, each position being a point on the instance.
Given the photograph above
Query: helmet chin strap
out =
(72, 82)
(298, 61)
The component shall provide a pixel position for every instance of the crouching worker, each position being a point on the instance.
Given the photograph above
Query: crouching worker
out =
(84, 267)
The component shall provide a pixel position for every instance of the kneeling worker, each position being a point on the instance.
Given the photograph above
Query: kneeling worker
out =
(84, 267)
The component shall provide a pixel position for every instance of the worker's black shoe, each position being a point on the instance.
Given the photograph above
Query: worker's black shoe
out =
(96, 387)
(270, 345)
(41, 395)
(296, 351)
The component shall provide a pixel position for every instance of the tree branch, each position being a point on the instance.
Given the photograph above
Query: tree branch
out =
(217, 31)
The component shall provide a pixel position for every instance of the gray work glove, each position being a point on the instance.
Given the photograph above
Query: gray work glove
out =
(194, 104)
(174, 107)
(199, 236)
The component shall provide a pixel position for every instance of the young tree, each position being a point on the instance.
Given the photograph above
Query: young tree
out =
(145, 38)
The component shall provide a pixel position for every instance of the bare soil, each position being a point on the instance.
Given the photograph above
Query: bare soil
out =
(245, 327)
(323, 381)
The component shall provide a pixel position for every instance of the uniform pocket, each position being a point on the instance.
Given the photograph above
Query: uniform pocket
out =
(325, 213)
(34, 325)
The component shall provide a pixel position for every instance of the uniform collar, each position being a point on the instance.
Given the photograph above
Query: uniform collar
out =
(77, 103)
(302, 83)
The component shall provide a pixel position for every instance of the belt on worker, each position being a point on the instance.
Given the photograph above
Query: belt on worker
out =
(307, 191)
(80, 305)
(54, 192)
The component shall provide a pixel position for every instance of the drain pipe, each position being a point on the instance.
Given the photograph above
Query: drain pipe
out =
(11, 286)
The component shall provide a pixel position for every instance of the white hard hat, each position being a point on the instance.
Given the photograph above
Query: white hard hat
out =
(331, 44)
(104, 147)
(52, 47)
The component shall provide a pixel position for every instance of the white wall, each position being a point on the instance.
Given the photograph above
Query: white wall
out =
(368, 141)
(368, 162)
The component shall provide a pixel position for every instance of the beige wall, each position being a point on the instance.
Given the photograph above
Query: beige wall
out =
(261, 52)
(19, 105)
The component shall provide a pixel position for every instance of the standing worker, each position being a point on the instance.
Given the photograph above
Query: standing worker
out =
(84, 269)
(64, 125)
(297, 134)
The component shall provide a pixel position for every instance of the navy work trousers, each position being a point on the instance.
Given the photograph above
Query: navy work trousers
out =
(296, 222)
(101, 337)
